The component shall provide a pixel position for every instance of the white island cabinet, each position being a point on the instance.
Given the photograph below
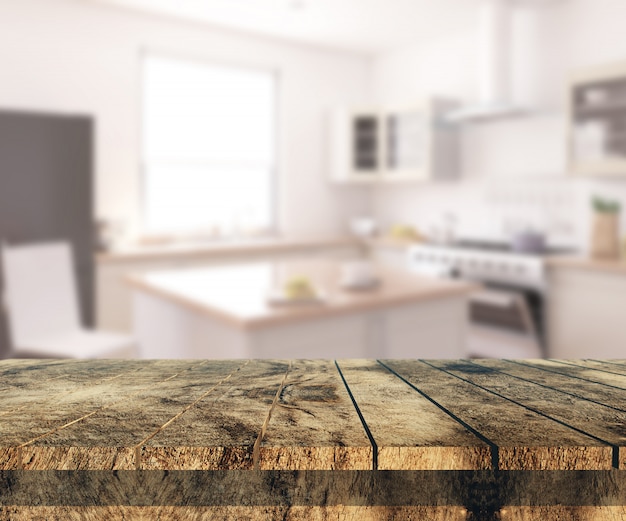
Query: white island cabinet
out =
(223, 312)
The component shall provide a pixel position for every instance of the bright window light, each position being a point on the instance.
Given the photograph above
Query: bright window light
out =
(209, 147)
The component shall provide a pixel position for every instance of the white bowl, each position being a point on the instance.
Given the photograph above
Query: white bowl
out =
(363, 227)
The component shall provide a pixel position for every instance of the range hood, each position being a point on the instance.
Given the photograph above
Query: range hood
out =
(495, 63)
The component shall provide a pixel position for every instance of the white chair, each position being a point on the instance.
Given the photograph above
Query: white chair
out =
(41, 301)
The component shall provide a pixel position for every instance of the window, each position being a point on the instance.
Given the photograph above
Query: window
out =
(209, 147)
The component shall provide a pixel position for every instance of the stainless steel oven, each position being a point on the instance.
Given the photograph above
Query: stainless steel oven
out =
(507, 316)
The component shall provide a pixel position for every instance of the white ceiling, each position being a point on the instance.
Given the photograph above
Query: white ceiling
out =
(367, 26)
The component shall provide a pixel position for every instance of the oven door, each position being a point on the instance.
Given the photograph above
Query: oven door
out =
(505, 323)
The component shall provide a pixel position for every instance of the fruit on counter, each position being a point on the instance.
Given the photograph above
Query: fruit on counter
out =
(299, 287)
(406, 232)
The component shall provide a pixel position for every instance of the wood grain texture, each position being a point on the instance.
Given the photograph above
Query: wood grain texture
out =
(598, 421)
(91, 426)
(525, 440)
(301, 415)
(218, 432)
(560, 513)
(337, 513)
(556, 513)
(582, 371)
(314, 425)
(269, 428)
(410, 432)
(613, 367)
(601, 394)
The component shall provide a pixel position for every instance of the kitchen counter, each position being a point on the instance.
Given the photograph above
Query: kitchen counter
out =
(238, 294)
(587, 263)
(151, 434)
(391, 243)
(223, 312)
(224, 248)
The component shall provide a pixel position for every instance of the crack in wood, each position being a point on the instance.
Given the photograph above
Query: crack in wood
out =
(295, 408)
(256, 449)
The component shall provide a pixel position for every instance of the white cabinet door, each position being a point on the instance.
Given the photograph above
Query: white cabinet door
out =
(586, 314)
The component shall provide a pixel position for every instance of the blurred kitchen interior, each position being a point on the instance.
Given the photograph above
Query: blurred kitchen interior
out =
(229, 175)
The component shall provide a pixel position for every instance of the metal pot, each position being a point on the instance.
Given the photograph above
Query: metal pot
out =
(528, 242)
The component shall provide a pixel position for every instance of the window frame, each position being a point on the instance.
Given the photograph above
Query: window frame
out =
(273, 228)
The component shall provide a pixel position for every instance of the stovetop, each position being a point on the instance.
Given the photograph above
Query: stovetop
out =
(483, 260)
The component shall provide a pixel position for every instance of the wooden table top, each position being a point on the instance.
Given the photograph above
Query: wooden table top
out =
(238, 294)
(312, 415)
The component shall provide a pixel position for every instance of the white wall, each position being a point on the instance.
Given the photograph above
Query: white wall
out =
(512, 170)
(71, 56)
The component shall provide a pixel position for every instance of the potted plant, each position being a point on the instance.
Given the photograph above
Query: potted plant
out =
(605, 234)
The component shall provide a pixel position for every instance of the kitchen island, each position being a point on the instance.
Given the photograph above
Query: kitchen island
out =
(313, 439)
(223, 312)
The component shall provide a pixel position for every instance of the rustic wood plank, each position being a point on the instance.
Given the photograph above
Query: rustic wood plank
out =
(19, 430)
(314, 425)
(21, 373)
(621, 363)
(584, 373)
(601, 422)
(595, 392)
(600, 365)
(107, 439)
(525, 440)
(49, 377)
(218, 433)
(42, 391)
(410, 432)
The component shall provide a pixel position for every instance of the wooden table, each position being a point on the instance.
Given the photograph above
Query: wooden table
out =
(267, 439)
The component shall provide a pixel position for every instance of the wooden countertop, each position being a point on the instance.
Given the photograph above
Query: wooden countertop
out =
(617, 267)
(225, 248)
(312, 415)
(177, 422)
(238, 294)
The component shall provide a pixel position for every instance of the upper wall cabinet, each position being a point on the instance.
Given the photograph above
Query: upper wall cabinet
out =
(404, 144)
(597, 115)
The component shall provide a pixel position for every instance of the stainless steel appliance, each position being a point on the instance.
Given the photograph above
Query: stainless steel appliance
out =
(507, 316)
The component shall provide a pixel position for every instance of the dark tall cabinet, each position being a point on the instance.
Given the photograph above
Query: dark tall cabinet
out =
(46, 170)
